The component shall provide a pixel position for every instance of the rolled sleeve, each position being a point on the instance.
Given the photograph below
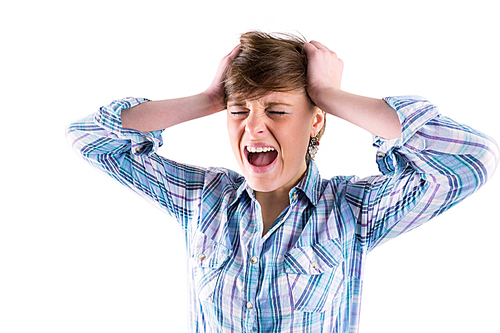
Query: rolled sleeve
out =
(434, 164)
(129, 156)
(413, 113)
(109, 118)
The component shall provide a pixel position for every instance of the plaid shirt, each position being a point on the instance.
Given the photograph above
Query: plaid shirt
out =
(305, 274)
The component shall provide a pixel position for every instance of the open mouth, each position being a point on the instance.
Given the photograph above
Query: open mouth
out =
(260, 156)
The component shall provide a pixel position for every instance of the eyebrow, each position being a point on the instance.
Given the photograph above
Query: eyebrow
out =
(243, 104)
(278, 103)
(236, 104)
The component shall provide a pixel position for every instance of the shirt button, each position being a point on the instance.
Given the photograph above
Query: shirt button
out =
(254, 260)
(294, 196)
(201, 256)
(315, 265)
(250, 305)
(137, 149)
(380, 155)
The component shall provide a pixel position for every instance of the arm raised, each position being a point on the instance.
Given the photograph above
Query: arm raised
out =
(158, 115)
(324, 74)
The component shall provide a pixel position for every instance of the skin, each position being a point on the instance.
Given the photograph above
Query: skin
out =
(288, 133)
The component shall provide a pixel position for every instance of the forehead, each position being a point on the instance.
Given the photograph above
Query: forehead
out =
(272, 98)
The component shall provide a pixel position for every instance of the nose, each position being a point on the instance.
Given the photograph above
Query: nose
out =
(255, 124)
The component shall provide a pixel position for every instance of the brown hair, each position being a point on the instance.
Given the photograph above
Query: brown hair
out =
(267, 62)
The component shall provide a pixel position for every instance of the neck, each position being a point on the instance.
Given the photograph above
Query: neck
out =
(281, 194)
(276, 197)
(271, 204)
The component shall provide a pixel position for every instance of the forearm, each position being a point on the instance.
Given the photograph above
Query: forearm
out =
(158, 115)
(371, 114)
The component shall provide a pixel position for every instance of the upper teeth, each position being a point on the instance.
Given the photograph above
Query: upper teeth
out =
(259, 149)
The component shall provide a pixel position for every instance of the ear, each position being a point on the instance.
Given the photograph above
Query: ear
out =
(318, 121)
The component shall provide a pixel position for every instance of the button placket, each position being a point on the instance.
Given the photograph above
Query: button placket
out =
(252, 280)
(255, 247)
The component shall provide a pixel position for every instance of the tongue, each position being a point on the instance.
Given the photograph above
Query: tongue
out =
(262, 159)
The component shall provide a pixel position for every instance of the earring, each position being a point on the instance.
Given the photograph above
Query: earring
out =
(313, 147)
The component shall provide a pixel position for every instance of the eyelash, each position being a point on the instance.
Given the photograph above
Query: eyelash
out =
(279, 113)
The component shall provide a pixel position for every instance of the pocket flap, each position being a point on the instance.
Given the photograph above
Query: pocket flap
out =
(208, 253)
(316, 259)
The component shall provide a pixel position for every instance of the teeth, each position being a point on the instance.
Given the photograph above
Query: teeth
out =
(259, 149)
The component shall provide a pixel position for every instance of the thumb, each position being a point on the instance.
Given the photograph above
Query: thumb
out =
(309, 48)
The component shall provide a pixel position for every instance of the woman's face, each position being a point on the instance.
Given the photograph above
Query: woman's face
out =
(269, 137)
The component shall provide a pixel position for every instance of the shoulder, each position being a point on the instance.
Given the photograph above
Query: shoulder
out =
(222, 182)
(338, 185)
(226, 176)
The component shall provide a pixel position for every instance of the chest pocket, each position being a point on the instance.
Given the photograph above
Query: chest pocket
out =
(315, 275)
(207, 258)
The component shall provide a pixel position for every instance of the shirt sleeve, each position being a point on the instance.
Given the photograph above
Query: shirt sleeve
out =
(129, 156)
(434, 164)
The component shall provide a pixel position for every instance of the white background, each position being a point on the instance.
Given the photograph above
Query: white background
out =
(80, 253)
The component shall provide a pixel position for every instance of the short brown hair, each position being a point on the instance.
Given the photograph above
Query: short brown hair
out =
(266, 62)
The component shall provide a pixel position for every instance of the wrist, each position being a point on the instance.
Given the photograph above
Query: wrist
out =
(325, 98)
(214, 102)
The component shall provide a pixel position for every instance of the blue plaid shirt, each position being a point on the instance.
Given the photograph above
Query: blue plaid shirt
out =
(305, 274)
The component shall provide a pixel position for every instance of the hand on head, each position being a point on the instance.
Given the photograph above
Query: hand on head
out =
(216, 89)
(324, 69)
(324, 72)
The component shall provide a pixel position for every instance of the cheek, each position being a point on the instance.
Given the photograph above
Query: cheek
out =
(231, 129)
(296, 145)
(299, 142)
(234, 133)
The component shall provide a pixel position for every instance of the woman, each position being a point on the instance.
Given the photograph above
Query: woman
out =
(280, 249)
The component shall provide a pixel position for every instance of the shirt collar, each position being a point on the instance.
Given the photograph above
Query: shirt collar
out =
(243, 187)
(310, 185)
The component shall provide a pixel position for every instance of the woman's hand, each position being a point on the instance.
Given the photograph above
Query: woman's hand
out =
(216, 89)
(324, 70)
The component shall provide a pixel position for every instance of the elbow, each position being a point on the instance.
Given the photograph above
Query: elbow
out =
(491, 157)
(484, 163)
(71, 135)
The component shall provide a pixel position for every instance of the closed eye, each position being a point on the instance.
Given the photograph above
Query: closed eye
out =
(279, 113)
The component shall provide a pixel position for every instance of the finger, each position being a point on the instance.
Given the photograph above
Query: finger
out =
(318, 45)
(234, 51)
(227, 59)
(309, 48)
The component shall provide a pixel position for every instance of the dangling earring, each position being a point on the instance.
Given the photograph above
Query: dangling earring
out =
(313, 147)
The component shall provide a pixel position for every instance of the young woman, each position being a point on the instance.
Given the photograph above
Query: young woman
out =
(279, 249)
